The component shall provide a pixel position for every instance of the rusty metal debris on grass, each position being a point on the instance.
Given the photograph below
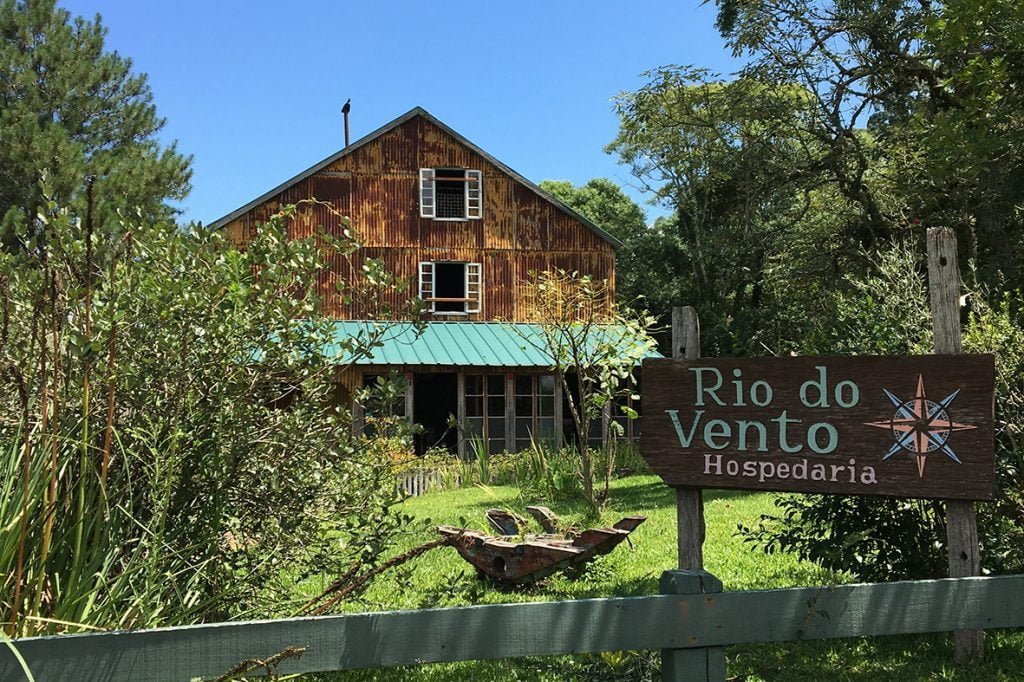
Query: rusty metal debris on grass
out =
(514, 558)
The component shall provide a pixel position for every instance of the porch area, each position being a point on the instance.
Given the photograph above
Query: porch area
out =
(469, 385)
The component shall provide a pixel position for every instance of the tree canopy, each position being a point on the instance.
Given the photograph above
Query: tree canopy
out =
(74, 114)
(602, 202)
(801, 189)
(852, 127)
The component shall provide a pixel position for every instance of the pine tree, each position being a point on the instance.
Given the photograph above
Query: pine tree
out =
(71, 115)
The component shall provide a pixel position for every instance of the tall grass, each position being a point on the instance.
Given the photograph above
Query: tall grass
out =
(540, 471)
(74, 549)
(168, 436)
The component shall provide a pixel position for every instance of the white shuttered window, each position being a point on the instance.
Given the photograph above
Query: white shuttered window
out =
(474, 287)
(427, 283)
(452, 288)
(474, 194)
(451, 194)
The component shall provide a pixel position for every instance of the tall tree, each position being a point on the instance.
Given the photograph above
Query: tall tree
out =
(720, 156)
(74, 115)
(938, 87)
(914, 120)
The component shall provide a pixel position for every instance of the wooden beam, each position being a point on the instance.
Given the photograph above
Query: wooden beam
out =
(410, 398)
(689, 501)
(706, 664)
(358, 411)
(961, 519)
(532, 629)
(606, 419)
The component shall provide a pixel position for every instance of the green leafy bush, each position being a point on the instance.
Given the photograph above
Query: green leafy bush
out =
(887, 312)
(171, 446)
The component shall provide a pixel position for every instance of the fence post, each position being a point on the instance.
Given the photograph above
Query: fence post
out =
(699, 664)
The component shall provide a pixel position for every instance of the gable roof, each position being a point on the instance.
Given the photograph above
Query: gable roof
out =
(366, 139)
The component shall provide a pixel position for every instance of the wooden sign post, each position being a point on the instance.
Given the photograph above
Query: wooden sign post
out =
(961, 522)
(702, 664)
(689, 501)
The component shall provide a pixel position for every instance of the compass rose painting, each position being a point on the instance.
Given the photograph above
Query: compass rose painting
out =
(921, 426)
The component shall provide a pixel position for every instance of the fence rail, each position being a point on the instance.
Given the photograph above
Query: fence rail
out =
(666, 621)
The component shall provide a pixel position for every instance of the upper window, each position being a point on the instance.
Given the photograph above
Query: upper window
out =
(454, 288)
(451, 193)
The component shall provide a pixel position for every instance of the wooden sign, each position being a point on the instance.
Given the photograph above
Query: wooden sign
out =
(914, 426)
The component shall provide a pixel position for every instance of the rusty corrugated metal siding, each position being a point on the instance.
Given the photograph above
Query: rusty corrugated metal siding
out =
(377, 186)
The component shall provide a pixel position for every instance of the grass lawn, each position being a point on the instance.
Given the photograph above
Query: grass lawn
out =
(442, 578)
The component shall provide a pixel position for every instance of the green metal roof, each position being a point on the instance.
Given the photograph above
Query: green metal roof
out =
(461, 344)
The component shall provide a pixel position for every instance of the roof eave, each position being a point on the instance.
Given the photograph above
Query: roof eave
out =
(316, 168)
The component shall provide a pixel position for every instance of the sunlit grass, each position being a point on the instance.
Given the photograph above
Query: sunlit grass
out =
(442, 578)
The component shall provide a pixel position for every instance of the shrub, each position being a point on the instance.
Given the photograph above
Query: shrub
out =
(887, 312)
(170, 445)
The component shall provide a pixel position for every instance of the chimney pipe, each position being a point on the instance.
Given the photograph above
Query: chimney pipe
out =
(344, 111)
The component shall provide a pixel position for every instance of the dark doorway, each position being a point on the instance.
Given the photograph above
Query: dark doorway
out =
(451, 192)
(435, 402)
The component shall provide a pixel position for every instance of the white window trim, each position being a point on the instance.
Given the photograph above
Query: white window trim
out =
(474, 194)
(474, 278)
(426, 289)
(474, 271)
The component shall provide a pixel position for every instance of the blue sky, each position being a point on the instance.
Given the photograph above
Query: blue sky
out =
(253, 90)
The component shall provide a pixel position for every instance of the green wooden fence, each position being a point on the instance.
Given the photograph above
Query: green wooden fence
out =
(691, 622)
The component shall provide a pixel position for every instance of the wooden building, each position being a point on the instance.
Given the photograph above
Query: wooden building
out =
(465, 230)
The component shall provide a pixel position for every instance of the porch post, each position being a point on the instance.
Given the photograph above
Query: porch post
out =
(606, 417)
(409, 399)
(460, 413)
(510, 412)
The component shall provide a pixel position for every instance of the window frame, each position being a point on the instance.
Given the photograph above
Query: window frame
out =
(539, 418)
(473, 198)
(487, 416)
(472, 287)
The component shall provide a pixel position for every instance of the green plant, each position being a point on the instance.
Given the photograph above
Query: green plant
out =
(553, 475)
(169, 445)
(594, 345)
(996, 328)
(886, 312)
(481, 458)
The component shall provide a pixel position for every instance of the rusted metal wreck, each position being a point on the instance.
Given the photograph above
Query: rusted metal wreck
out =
(512, 558)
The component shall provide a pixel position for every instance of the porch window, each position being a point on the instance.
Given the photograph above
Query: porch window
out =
(453, 288)
(485, 410)
(535, 410)
(451, 193)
